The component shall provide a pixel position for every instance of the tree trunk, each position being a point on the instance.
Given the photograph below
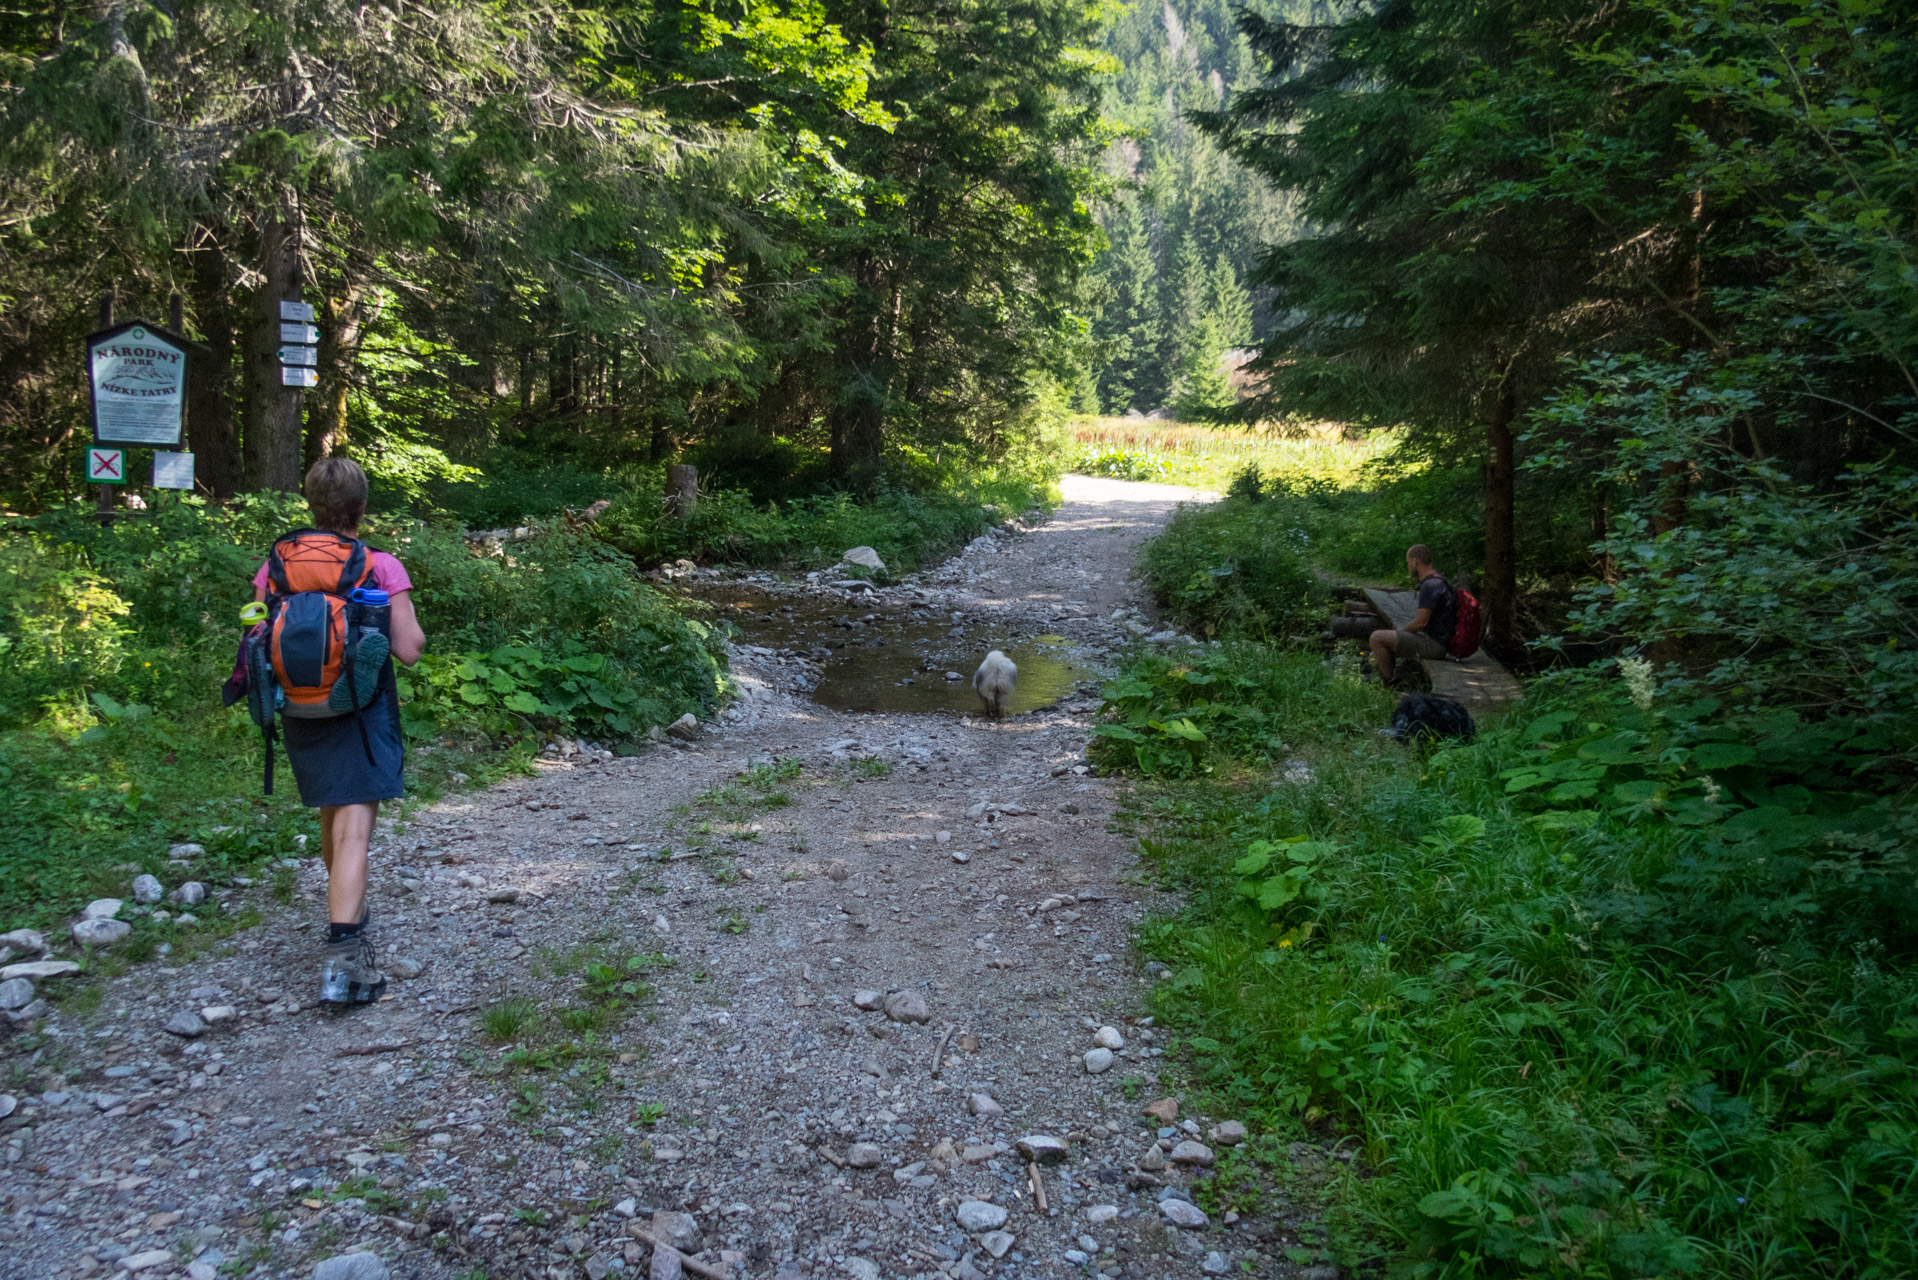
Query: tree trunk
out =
(211, 431)
(1500, 588)
(342, 324)
(273, 438)
(682, 490)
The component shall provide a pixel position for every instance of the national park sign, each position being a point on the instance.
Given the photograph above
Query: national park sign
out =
(137, 372)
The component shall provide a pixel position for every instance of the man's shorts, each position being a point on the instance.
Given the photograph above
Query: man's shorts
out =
(1419, 644)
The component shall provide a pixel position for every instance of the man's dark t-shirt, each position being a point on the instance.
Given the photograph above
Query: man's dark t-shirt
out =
(1435, 593)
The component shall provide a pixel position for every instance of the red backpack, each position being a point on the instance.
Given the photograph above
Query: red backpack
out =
(1466, 632)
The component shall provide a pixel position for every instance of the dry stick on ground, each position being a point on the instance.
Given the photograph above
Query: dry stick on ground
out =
(939, 1053)
(693, 1265)
(1038, 1187)
(378, 1046)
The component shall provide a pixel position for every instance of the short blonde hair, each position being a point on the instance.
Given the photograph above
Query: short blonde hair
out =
(336, 491)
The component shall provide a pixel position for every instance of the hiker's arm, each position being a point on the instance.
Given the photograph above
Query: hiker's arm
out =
(1421, 620)
(409, 642)
(259, 595)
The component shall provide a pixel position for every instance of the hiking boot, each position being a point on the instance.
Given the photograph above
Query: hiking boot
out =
(348, 974)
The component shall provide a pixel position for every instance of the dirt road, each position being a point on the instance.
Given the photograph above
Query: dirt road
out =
(790, 995)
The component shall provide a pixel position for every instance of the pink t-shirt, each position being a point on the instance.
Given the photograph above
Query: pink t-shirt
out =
(389, 575)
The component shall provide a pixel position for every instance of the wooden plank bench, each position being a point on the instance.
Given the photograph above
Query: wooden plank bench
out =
(1479, 682)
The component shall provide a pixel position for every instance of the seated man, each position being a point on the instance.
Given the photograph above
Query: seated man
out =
(1432, 625)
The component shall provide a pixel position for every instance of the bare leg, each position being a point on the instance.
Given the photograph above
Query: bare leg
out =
(345, 832)
(1384, 645)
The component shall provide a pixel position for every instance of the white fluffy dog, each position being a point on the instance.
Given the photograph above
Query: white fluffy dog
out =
(994, 682)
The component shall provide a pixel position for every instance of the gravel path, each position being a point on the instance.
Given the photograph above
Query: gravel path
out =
(789, 996)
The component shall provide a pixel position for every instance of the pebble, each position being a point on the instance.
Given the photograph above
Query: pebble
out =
(1041, 1148)
(1102, 1213)
(1190, 1152)
(214, 1014)
(981, 1215)
(1109, 1038)
(147, 1260)
(1229, 1134)
(864, 1155)
(1165, 1110)
(405, 969)
(686, 728)
(148, 889)
(8, 1105)
(960, 855)
(1077, 1257)
(102, 909)
(1215, 1264)
(997, 1242)
(184, 850)
(100, 931)
(201, 1271)
(190, 894)
(984, 1104)
(627, 1208)
(1183, 1213)
(503, 895)
(1152, 1159)
(1098, 1060)
(25, 939)
(942, 837)
(907, 1006)
(680, 1230)
(16, 993)
(666, 1265)
(351, 1266)
(186, 1025)
(868, 1000)
(862, 1269)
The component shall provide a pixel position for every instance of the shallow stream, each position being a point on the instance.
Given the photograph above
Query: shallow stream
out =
(887, 658)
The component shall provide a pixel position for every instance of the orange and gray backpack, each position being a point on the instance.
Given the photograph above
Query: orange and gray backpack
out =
(323, 647)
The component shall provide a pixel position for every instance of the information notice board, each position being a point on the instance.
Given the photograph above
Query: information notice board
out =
(137, 373)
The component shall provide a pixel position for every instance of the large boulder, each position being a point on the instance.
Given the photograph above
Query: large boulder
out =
(865, 558)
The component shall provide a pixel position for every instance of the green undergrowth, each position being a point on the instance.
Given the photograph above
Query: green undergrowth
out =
(1624, 988)
(113, 644)
(908, 530)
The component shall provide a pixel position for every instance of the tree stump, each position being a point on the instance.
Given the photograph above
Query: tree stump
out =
(682, 490)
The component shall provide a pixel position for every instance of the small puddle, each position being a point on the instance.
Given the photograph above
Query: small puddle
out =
(890, 659)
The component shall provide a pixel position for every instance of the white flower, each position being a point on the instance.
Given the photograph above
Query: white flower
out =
(1712, 790)
(1638, 681)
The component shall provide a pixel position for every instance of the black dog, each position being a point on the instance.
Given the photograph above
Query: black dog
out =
(1422, 718)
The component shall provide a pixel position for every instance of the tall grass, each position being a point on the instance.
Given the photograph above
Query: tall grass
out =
(1209, 457)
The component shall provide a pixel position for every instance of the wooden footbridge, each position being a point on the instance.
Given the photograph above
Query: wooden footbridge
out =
(1479, 682)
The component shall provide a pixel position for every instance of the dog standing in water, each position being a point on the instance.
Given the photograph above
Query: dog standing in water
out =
(994, 682)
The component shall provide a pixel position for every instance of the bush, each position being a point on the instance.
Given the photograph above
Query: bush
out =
(1231, 568)
(113, 641)
(908, 530)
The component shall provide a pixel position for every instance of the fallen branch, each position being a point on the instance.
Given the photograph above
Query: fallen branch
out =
(378, 1046)
(698, 1268)
(939, 1053)
(1038, 1187)
(839, 1161)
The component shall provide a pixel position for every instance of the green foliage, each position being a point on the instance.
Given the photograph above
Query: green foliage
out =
(1231, 568)
(1790, 592)
(1617, 990)
(908, 530)
(1170, 718)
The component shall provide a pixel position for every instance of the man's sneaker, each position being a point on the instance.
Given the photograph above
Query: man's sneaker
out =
(348, 974)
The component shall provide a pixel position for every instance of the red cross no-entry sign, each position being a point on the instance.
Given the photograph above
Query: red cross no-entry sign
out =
(106, 466)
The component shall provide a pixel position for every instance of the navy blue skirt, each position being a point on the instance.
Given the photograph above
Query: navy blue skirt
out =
(329, 762)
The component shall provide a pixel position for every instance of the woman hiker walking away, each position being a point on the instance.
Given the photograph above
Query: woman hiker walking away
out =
(345, 764)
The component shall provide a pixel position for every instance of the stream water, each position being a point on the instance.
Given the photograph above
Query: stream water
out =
(886, 658)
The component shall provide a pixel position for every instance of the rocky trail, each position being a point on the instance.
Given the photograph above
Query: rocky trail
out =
(815, 993)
